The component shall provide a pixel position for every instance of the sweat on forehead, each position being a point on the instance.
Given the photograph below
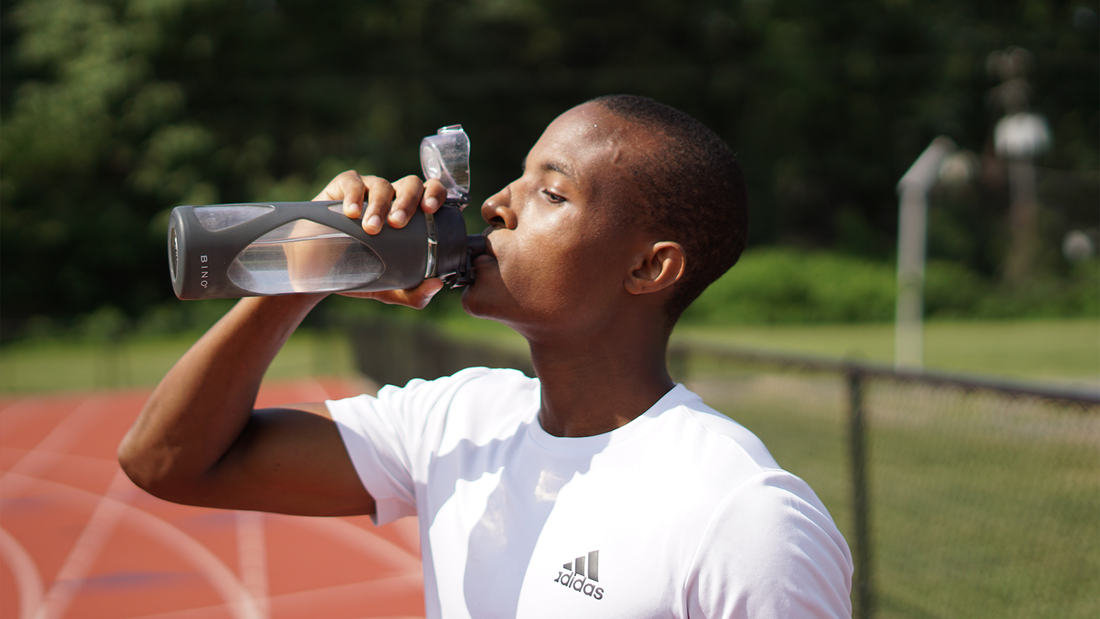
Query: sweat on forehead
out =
(621, 139)
(593, 121)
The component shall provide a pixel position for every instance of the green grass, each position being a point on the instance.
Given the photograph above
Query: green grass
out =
(1039, 350)
(59, 365)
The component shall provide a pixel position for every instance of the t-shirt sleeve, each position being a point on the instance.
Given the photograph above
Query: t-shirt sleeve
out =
(373, 432)
(770, 552)
(386, 437)
(391, 438)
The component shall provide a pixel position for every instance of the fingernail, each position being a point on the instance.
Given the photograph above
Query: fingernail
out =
(432, 203)
(398, 218)
(374, 223)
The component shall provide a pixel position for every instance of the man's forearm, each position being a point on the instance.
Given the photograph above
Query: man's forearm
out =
(204, 402)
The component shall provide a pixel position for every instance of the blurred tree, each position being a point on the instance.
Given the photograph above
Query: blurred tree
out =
(113, 111)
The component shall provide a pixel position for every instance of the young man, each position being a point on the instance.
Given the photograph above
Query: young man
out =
(598, 489)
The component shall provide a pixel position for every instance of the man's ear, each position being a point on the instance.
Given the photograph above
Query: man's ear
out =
(659, 267)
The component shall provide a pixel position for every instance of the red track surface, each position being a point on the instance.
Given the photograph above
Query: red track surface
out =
(78, 540)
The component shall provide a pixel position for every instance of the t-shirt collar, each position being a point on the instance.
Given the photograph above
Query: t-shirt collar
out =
(598, 442)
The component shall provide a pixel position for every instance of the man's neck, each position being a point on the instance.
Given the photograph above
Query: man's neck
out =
(595, 385)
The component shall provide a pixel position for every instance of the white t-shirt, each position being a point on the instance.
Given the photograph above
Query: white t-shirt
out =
(679, 513)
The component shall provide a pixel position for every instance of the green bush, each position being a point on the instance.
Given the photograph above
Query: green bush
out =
(776, 285)
(1077, 294)
(952, 291)
(783, 285)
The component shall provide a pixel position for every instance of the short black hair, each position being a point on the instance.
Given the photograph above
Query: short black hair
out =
(694, 192)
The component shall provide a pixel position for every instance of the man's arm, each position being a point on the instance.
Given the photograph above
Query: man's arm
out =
(199, 441)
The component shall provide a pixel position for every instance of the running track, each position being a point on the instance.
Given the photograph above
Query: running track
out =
(79, 541)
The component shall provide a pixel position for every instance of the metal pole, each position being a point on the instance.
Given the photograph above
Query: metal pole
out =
(913, 189)
(909, 317)
(863, 584)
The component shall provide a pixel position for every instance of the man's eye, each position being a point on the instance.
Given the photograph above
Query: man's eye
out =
(553, 197)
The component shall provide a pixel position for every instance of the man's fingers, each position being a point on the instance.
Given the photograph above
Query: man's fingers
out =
(417, 298)
(348, 187)
(434, 195)
(380, 194)
(412, 194)
(420, 296)
(377, 201)
(354, 193)
(406, 201)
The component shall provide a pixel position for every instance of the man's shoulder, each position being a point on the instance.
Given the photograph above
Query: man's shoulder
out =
(476, 378)
(476, 403)
(713, 437)
(472, 394)
(475, 384)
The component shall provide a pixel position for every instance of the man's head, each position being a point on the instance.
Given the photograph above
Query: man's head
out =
(620, 197)
(693, 192)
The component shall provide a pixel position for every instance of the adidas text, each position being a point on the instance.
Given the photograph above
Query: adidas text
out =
(579, 583)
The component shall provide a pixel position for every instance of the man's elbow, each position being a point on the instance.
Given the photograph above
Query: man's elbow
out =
(138, 465)
(151, 469)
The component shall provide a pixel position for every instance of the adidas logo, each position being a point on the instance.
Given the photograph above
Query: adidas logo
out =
(582, 580)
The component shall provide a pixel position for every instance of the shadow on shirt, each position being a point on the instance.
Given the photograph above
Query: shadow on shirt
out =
(517, 508)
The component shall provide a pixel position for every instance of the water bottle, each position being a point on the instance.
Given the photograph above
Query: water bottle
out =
(263, 249)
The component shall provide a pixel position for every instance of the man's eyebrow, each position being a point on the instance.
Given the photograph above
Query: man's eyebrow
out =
(560, 167)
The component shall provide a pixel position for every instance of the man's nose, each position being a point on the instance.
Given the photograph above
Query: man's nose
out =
(497, 210)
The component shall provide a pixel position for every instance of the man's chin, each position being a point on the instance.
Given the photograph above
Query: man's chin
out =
(476, 303)
(471, 302)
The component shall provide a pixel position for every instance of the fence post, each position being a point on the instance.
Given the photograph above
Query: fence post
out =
(862, 584)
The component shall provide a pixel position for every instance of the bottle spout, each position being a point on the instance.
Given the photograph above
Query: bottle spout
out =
(475, 246)
(464, 275)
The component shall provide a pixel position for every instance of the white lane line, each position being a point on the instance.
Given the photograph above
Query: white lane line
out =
(237, 599)
(252, 558)
(13, 416)
(27, 579)
(361, 540)
(357, 594)
(89, 459)
(310, 603)
(407, 531)
(64, 435)
(84, 553)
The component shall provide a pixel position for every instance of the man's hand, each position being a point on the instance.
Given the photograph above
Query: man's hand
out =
(376, 200)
